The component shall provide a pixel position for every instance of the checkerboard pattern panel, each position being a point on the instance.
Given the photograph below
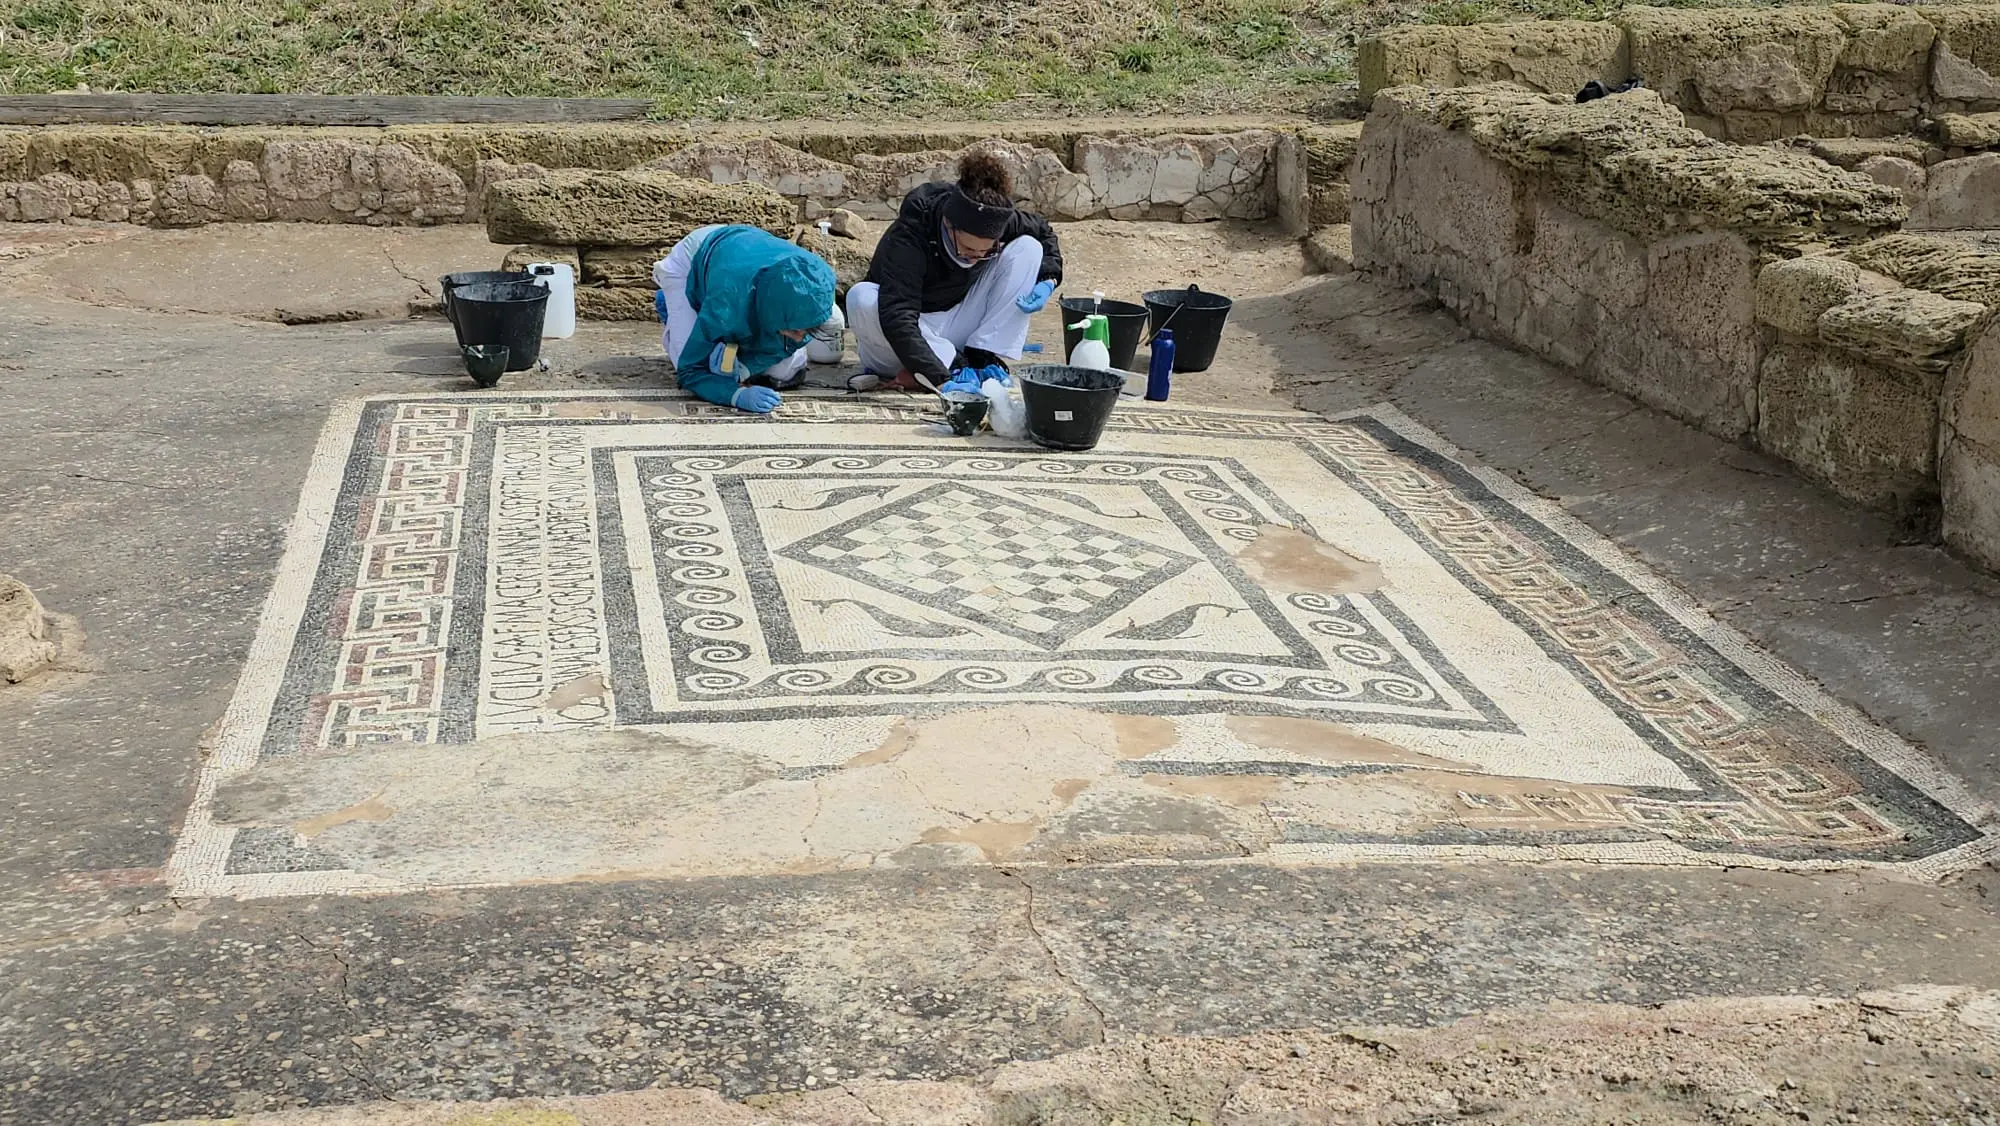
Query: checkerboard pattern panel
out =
(994, 559)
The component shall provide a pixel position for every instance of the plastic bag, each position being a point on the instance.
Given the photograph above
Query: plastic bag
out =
(1007, 416)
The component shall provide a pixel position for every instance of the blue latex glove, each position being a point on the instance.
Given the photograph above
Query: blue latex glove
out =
(660, 304)
(995, 371)
(756, 400)
(966, 380)
(1033, 300)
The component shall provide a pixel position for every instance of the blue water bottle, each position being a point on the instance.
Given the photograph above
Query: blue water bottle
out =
(1160, 374)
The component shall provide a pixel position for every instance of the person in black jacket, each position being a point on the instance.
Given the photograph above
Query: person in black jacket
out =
(953, 283)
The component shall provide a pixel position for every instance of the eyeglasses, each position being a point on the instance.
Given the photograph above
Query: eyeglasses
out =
(958, 245)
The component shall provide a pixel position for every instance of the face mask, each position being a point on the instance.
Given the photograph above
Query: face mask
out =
(951, 247)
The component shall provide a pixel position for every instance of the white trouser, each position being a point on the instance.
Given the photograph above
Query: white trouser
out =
(987, 319)
(670, 275)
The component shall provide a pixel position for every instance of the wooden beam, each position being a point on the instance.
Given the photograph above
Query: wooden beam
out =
(287, 109)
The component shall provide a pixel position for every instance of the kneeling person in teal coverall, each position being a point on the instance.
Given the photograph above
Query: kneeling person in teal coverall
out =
(740, 285)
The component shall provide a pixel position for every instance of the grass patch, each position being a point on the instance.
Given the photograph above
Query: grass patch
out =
(723, 59)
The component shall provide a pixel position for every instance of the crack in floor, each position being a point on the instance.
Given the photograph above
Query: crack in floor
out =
(1055, 963)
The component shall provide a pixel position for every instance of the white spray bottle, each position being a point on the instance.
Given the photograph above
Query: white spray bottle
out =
(1094, 350)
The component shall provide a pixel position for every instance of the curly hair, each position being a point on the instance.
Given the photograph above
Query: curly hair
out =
(984, 180)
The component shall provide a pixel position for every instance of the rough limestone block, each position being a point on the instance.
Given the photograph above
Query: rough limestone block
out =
(1329, 203)
(1434, 211)
(1793, 294)
(847, 224)
(1969, 130)
(1849, 152)
(594, 303)
(1330, 149)
(1177, 175)
(300, 176)
(1886, 63)
(413, 187)
(519, 257)
(1721, 61)
(1906, 176)
(1965, 65)
(1908, 328)
(1588, 257)
(786, 170)
(1552, 56)
(117, 205)
(1969, 451)
(26, 644)
(244, 197)
(1960, 195)
(189, 201)
(1630, 161)
(35, 203)
(1942, 266)
(1120, 174)
(581, 207)
(1288, 172)
(1698, 327)
(488, 172)
(1867, 431)
(849, 258)
(1577, 281)
(621, 267)
(1330, 249)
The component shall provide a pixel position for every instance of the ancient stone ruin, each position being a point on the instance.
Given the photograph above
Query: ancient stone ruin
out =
(1787, 238)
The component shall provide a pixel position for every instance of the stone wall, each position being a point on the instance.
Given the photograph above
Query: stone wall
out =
(1608, 237)
(1742, 74)
(1761, 294)
(1950, 178)
(1852, 380)
(422, 175)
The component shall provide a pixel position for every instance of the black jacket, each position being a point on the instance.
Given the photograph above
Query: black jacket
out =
(917, 274)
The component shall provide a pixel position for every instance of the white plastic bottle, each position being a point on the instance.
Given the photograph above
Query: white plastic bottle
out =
(560, 321)
(1094, 350)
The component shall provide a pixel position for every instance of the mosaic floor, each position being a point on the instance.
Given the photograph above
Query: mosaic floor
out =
(468, 568)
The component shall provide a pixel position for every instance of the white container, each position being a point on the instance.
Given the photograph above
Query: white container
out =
(560, 321)
(828, 342)
(1091, 354)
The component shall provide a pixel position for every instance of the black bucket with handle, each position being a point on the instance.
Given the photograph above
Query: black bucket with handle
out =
(1128, 325)
(1067, 407)
(450, 282)
(508, 313)
(1196, 318)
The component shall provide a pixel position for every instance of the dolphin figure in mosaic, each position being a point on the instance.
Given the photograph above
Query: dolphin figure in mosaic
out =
(1174, 625)
(830, 497)
(1083, 502)
(894, 623)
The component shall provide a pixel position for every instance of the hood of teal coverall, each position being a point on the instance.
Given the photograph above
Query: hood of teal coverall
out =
(748, 286)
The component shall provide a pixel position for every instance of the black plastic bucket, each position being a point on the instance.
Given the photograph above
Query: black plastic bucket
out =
(1068, 407)
(1196, 319)
(1128, 325)
(450, 282)
(508, 313)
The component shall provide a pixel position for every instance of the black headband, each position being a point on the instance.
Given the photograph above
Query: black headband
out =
(973, 217)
